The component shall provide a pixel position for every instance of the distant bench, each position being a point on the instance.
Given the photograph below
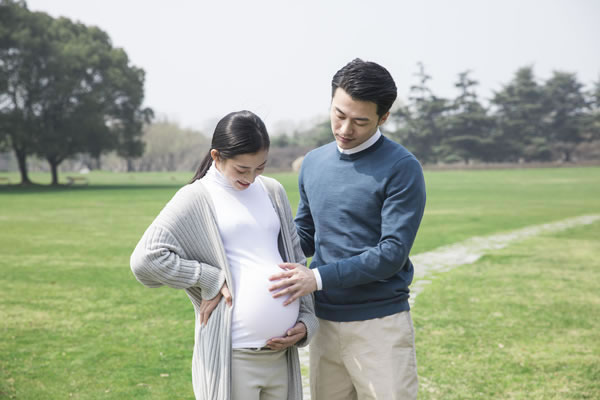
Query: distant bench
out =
(5, 180)
(77, 180)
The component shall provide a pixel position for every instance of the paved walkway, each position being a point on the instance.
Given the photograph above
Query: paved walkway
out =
(446, 258)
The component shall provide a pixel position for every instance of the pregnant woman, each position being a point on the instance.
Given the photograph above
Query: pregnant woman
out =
(220, 238)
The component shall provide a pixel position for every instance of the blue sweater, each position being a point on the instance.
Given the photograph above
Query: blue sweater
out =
(358, 217)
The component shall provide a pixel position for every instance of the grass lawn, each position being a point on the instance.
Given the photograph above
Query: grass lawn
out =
(522, 323)
(76, 324)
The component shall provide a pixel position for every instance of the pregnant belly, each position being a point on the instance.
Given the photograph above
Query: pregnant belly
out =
(257, 316)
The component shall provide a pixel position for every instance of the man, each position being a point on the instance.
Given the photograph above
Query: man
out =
(361, 202)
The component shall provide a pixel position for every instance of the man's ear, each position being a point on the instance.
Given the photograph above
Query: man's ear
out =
(383, 118)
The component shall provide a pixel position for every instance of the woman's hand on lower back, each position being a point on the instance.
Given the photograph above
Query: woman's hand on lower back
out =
(208, 306)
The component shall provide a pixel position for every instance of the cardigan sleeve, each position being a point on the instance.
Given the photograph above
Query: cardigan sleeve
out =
(160, 257)
(157, 261)
(307, 306)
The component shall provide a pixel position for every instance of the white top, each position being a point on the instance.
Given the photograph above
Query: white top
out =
(249, 228)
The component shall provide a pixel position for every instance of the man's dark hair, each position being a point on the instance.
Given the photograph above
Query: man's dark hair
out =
(366, 81)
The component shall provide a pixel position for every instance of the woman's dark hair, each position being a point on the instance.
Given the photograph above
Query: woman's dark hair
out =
(240, 132)
(366, 81)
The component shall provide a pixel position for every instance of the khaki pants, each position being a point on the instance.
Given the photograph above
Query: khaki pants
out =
(259, 374)
(372, 359)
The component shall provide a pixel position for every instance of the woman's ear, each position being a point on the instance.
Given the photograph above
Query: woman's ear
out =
(214, 153)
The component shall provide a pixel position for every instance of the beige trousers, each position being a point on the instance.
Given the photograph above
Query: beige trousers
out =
(259, 374)
(372, 359)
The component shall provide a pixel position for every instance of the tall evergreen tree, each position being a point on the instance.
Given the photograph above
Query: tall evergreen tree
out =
(520, 109)
(421, 123)
(469, 127)
(568, 109)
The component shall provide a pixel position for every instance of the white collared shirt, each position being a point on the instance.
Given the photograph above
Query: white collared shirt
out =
(365, 145)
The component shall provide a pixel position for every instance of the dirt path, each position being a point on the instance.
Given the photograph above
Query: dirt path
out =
(448, 257)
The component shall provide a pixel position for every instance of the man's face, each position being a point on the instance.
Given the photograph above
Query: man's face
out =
(353, 121)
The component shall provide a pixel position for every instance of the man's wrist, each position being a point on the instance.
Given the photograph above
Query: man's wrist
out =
(318, 278)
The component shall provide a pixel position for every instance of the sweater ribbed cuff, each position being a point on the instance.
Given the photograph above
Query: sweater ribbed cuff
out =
(211, 280)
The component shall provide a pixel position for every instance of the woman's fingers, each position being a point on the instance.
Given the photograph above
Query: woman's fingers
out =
(226, 294)
(284, 342)
(207, 306)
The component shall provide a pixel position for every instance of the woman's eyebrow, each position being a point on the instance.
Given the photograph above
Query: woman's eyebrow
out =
(246, 167)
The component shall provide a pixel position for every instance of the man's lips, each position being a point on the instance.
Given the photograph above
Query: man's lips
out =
(343, 139)
(243, 184)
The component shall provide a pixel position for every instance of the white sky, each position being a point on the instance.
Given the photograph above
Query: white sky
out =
(204, 59)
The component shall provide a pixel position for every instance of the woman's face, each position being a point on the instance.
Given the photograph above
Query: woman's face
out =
(241, 170)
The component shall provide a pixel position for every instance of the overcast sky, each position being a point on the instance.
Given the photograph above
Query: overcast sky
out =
(204, 59)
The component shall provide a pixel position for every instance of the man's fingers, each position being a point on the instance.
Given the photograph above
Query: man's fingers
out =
(282, 292)
(281, 275)
(281, 284)
(287, 266)
(292, 298)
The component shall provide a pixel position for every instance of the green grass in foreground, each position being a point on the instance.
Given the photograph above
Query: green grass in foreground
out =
(76, 324)
(522, 323)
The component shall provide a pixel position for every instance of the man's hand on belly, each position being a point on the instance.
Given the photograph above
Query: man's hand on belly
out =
(296, 281)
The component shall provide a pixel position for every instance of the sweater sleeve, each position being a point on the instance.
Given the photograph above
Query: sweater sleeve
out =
(160, 257)
(304, 220)
(401, 215)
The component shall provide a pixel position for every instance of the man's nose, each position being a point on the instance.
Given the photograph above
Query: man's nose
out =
(346, 127)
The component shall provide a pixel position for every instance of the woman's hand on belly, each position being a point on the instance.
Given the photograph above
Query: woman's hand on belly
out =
(293, 336)
(208, 306)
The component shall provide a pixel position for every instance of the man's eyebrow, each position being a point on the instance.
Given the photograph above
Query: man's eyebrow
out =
(356, 119)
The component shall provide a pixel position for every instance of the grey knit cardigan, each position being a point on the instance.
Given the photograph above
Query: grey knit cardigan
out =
(182, 249)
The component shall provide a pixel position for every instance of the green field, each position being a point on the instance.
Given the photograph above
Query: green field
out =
(521, 323)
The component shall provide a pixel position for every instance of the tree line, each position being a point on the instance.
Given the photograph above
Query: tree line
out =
(65, 90)
(525, 121)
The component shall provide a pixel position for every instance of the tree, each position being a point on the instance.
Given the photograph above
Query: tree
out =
(469, 127)
(520, 110)
(169, 147)
(593, 119)
(94, 103)
(422, 122)
(68, 90)
(23, 51)
(568, 109)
